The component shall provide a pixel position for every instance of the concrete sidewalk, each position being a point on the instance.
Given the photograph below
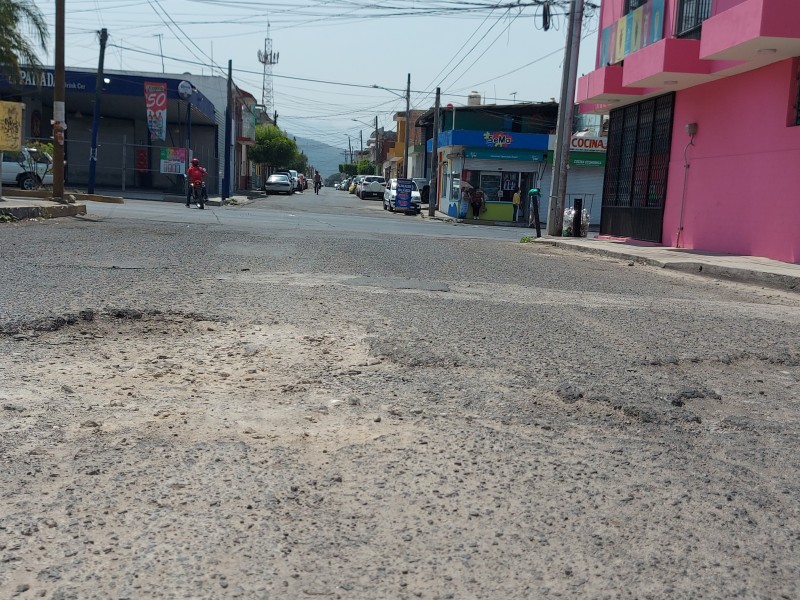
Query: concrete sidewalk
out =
(747, 269)
(238, 199)
(19, 207)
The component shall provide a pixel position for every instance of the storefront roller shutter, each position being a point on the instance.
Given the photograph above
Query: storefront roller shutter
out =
(589, 182)
(580, 180)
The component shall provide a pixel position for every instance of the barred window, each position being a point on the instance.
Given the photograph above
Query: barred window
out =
(631, 5)
(797, 102)
(691, 14)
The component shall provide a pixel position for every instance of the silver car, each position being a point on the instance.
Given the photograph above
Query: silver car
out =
(278, 183)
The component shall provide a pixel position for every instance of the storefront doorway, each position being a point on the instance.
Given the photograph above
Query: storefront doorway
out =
(637, 162)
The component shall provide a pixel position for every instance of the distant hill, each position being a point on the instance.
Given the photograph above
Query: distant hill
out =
(326, 159)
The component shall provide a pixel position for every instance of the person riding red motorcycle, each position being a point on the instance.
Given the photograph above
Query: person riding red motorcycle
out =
(196, 175)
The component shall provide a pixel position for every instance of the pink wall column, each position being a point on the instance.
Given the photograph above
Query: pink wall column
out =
(743, 186)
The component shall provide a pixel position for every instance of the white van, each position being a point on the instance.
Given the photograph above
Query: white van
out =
(29, 168)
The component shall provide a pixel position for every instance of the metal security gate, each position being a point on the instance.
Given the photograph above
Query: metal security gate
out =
(637, 163)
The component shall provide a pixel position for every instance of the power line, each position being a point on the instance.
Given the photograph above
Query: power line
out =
(292, 77)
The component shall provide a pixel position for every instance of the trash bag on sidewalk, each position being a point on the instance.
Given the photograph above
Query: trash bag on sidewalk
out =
(569, 220)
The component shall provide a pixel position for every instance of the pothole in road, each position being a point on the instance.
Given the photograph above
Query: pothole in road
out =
(138, 375)
(51, 323)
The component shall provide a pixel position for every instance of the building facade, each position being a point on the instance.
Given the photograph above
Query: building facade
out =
(704, 129)
(501, 148)
(393, 165)
(141, 145)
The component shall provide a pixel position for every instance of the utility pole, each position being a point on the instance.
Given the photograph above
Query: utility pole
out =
(226, 178)
(59, 110)
(433, 193)
(350, 148)
(558, 189)
(408, 126)
(361, 136)
(161, 50)
(98, 95)
(377, 149)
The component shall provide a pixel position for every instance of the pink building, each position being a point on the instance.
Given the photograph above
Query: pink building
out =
(704, 131)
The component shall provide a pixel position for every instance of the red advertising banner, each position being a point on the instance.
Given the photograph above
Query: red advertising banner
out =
(155, 96)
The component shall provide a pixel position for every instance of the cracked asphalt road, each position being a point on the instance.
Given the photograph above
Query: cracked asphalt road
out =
(234, 405)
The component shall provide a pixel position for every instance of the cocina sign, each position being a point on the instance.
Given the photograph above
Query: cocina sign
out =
(588, 144)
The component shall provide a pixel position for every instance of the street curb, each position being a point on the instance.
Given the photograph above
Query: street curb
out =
(773, 280)
(100, 198)
(43, 212)
(48, 195)
(437, 218)
(440, 216)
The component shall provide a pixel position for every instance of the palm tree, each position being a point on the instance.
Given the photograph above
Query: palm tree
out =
(16, 48)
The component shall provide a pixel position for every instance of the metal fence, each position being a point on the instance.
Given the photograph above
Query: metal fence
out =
(124, 166)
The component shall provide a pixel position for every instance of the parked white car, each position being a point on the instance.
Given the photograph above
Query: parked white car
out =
(371, 186)
(390, 196)
(278, 183)
(292, 175)
(27, 168)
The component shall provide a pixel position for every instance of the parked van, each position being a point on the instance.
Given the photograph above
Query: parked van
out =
(29, 168)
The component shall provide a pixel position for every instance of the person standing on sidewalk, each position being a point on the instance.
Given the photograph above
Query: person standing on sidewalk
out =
(425, 194)
(477, 203)
(517, 200)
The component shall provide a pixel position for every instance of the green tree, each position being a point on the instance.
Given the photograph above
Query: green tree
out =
(348, 169)
(365, 167)
(16, 48)
(273, 147)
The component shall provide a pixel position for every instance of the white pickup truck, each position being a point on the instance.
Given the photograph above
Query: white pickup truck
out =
(29, 168)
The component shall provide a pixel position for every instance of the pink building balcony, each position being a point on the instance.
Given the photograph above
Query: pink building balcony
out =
(604, 86)
(757, 31)
(671, 63)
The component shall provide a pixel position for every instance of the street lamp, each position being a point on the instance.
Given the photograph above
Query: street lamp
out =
(408, 118)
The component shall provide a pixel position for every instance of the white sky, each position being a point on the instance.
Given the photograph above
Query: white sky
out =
(362, 42)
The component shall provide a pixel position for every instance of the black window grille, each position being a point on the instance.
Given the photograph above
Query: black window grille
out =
(691, 14)
(797, 104)
(637, 165)
(633, 5)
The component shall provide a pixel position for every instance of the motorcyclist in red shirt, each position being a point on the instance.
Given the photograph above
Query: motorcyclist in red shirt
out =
(194, 174)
